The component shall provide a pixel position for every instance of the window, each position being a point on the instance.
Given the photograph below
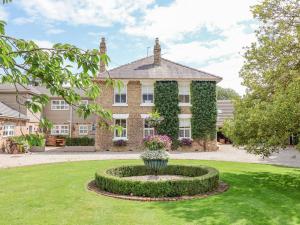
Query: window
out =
(60, 130)
(84, 102)
(83, 129)
(121, 95)
(184, 128)
(184, 93)
(147, 93)
(122, 123)
(148, 129)
(9, 130)
(30, 129)
(59, 105)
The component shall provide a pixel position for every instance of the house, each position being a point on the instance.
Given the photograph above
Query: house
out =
(66, 121)
(12, 123)
(132, 104)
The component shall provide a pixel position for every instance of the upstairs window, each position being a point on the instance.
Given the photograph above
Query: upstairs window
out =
(184, 128)
(184, 93)
(59, 105)
(8, 130)
(122, 123)
(121, 95)
(147, 94)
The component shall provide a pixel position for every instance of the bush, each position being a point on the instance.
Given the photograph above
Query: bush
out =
(80, 141)
(120, 143)
(200, 179)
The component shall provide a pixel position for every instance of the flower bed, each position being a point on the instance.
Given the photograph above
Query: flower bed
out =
(198, 180)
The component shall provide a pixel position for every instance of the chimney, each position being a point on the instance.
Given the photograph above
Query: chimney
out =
(157, 52)
(102, 51)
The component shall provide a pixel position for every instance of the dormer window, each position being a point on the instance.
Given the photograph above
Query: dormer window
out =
(184, 94)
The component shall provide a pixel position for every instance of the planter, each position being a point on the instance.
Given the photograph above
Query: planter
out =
(37, 149)
(156, 164)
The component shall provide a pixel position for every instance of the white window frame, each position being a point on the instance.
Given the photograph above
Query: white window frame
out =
(144, 117)
(147, 88)
(84, 102)
(121, 117)
(83, 129)
(185, 117)
(122, 91)
(9, 130)
(59, 106)
(58, 127)
(184, 89)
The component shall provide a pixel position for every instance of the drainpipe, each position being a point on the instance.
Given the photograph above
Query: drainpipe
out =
(71, 120)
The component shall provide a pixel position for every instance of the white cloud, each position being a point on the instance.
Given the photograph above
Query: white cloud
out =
(55, 31)
(23, 20)
(43, 43)
(178, 24)
(3, 14)
(92, 12)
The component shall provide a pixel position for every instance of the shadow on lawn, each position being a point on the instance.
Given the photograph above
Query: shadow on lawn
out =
(253, 198)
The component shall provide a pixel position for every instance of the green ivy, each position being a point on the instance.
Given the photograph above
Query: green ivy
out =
(166, 104)
(204, 109)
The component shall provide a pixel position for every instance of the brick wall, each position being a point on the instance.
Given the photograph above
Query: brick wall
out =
(103, 137)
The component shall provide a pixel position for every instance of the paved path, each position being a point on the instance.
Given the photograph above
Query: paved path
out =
(288, 157)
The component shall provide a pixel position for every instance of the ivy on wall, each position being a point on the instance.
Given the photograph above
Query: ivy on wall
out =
(166, 103)
(204, 109)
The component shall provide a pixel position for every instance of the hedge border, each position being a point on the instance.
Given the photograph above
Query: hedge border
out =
(201, 179)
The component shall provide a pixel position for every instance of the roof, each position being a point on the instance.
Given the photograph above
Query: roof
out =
(225, 111)
(35, 90)
(145, 69)
(7, 112)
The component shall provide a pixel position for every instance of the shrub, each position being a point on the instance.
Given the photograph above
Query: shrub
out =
(157, 142)
(120, 143)
(200, 179)
(80, 141)
(186, 142)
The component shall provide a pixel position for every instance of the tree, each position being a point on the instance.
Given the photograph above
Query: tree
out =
(226, 93)
(22, 62)
(269, 113)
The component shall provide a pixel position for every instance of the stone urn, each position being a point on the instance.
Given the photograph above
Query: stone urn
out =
(155, 164)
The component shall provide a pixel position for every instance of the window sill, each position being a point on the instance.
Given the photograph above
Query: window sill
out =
(120, 104)
(147, 104)
(185, 138)
(185, 104)
(118, 139)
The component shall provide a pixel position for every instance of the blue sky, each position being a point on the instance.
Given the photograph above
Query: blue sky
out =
(205, 34)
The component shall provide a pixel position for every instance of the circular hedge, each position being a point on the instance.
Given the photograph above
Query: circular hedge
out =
(199, 180)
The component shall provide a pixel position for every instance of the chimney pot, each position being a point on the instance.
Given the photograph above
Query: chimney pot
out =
(157, 52)
(102, 51)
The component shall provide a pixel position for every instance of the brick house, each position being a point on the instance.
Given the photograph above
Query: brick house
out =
(131, 105)
(12, 123)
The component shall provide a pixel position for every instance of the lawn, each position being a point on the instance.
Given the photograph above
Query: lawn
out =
(56, 194)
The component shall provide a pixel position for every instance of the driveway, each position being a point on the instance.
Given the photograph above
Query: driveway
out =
(289, 157)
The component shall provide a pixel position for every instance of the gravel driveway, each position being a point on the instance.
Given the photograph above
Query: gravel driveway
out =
(289, 157)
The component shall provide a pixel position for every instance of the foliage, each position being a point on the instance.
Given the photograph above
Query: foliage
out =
(166, 104)
(23, 63)
(269, 112)
(120, 143)
(201, 180)
(186, 142)
(204, 110)
(154, 119)
(80, 141)
(226, 94)
(30, 140)
(155, 155)
(157, 142)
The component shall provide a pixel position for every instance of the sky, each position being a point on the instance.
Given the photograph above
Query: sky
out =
(210, 35)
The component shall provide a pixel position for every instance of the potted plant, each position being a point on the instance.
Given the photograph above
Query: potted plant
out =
(120, 143)
(186, 142)
(155, 157)
(36, 142)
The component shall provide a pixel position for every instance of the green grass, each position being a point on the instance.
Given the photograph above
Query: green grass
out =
(56, 194)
